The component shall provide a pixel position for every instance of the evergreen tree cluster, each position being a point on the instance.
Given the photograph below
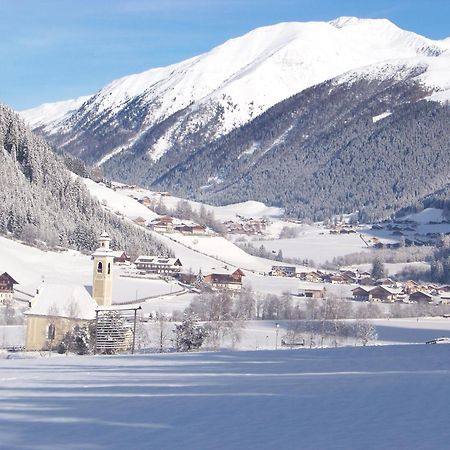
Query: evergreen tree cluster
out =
(41, 201)
(320, 153)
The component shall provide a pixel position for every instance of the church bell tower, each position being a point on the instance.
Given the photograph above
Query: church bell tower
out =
(103, 265)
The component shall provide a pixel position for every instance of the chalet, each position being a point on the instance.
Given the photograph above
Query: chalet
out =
(120, 257)
(140, 221)
(7, 283)
(311, 291)
(313, 277)
(362, 293)
(366, 281)
(420, 297)
(410, 286)
(225, 278)
(384, 293)
(336, 279)
(190, 228)
(158, 264)
(163, 224)
(187, 278)
(349, 273)
(283, 271)
(385, 282)
(146, 201)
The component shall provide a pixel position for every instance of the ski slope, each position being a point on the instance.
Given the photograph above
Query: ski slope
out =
(391, 397)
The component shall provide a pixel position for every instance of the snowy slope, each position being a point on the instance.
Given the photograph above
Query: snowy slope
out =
(30, 267)
(52, 112)
(241, 78)
(391, 397)
(195, 252)
(246, 209)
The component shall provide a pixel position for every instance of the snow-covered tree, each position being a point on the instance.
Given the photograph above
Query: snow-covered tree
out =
(189, 335)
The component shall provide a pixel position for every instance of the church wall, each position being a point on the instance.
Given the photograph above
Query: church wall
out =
(37, 331)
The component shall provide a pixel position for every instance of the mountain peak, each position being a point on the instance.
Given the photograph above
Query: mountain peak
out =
(345, 21)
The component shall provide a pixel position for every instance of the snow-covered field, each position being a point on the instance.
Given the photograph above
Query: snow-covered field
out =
(223, 250)
(393, 397)
(315, 243)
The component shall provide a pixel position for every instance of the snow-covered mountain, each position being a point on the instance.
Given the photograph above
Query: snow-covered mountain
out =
(165, 114)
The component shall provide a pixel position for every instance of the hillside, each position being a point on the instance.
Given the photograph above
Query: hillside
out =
(140, 127)
(355, 143)
(40, 200)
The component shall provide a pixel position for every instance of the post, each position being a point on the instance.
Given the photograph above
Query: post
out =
(96, 331)
(277, 325)
(134, 332)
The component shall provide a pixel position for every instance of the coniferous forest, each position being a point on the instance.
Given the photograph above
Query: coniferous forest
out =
(42, 201)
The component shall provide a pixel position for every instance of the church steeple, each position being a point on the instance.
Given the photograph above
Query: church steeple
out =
(102, 276)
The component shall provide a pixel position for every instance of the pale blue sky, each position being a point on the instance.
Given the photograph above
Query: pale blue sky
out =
(60, 49)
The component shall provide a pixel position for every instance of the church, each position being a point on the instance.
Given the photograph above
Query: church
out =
(57, 308)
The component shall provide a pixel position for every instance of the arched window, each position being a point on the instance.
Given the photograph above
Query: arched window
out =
(109, 268)
(51, 331)
(99, 267)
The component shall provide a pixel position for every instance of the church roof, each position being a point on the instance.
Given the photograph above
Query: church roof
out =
(63, 300)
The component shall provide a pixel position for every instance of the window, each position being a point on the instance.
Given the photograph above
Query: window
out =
(109, 268)
(99, 267)
(51, 331)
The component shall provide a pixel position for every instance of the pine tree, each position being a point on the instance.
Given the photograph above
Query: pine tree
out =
(189, 335)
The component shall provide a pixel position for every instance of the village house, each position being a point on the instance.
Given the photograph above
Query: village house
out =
(362, 293)
(410, 286)
(158, 265)
(120, 257)
(146, 201)
(7, 283)
(385, 293)
(420, 297)
(190, 228)
(140, 221)
(366, 281)
(313, 276)
(283, 271)
(225, 278)
(163, 224)
(336, 278)
(311, 291)
(247, 226)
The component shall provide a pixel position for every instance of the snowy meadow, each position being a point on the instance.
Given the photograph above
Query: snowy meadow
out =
(349, 398)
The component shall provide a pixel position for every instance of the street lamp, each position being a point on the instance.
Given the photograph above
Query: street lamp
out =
(277, 325)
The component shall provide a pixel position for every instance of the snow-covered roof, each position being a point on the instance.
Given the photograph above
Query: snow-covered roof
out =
(364, 288)
(117, 254)
(310, 286)
(222, 271)
(3, 272)
(63, 300)
(161, 260)
(102, 251)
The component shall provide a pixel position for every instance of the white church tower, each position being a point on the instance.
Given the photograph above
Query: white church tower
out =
(103, 266)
